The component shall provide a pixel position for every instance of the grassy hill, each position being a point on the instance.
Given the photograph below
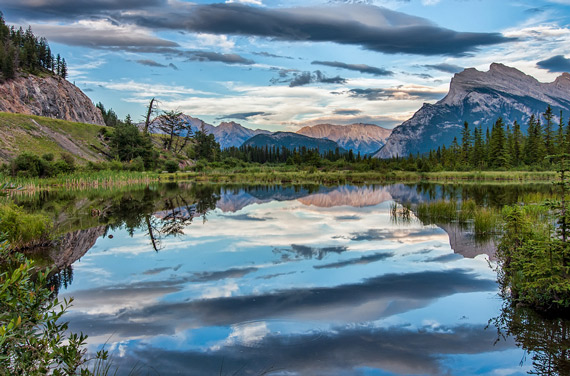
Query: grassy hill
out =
(40, 135)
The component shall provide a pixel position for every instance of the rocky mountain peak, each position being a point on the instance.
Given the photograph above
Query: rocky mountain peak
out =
(478, 98)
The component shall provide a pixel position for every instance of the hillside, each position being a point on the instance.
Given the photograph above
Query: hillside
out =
(363, 138)
(40, 135)
(478, 98)
(291, 141)
(48, 96)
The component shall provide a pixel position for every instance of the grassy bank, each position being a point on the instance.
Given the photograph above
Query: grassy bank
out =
(272, 175)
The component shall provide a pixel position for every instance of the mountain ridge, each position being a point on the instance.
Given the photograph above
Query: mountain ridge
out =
(478, 98)
(360, 137)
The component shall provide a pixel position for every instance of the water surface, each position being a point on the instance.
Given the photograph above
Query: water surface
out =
(285, 281)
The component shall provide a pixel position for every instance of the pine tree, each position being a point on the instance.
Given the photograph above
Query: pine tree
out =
(548, 134)
(498, 152)
(517, 151)
(465, 143)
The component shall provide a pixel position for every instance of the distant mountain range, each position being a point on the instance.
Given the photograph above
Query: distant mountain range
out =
(478, 98)
(363, 138)
(292, 140)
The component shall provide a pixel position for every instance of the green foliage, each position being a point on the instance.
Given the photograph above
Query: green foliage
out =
(21, 49)
(534, 253)
(127, 143)
(171, 166)
(33, 340)
(21, 228)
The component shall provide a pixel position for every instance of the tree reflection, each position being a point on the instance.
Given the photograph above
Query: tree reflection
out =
(162, 213)
(546, 338)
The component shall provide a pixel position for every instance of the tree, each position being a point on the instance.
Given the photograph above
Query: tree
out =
(465, 143)
(127, 143)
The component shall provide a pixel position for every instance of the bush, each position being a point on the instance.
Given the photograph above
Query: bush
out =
(33, 341)
(171, 166)
(48, 157)
(30, 165)
(21, 228)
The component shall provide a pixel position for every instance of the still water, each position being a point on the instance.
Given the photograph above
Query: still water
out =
(188, 280)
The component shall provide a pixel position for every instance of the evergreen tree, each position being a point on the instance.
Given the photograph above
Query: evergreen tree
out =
(517, 150)
(465, 143)
(548, 134)
(498, 152)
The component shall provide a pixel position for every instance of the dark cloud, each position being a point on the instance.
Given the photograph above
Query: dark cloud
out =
(87, 90)
(358, 261)
(215, 56)
(444, 67)
(83, 35)
(342, 351)
(223, 274)
(382, 296)
(73, 9)
(306, 78)
(267, 54)
(371, 27)
(303, 251)
(243, 116)
(445, 258)
(151, 63)
(397, 93)
(162, 269)
(556, 63)
(347, 218)
(347, 112)
(271, 276)
(374, 28)
(362, 68)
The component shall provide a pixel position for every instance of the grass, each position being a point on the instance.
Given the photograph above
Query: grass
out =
(20, 133)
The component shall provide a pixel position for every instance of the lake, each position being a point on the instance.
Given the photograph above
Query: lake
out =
(281, 280)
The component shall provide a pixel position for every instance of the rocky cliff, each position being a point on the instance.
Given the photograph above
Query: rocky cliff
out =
(49, 96)
(478, 98)
(363, 138)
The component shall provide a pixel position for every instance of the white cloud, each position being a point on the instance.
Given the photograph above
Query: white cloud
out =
(251, 2)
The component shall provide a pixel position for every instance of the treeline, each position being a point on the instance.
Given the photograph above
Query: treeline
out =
(502, 147)
(274, 154)
(21, 49)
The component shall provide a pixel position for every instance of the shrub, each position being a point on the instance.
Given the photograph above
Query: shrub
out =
(171, 166)
(21, 228)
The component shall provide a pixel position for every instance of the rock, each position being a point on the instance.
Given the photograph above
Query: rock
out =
(479, 98)
(50, 96)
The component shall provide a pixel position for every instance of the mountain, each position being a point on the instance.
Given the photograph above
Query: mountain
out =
(49, 96)
(292, 140)
(363, 138)
(478, 98)
(233, 134)
(227, 134)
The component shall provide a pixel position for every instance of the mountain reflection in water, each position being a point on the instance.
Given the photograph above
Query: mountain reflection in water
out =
(305, 280)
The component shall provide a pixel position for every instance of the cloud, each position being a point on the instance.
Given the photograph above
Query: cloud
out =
(155, 64)
(219, 57)
(223, 274)
(359, 261)
(398, 93)
(306, 78)
(557, 63)
(341, 111)
(342, 351)
(313, 252)
(138, 309)
(101, 34)
(362, 68)
(243, 116)
(267, 54)
(373, 28)
(72, 9)
(444, 67)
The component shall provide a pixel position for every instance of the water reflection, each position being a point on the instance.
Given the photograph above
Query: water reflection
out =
(282, 280)
(546, 339)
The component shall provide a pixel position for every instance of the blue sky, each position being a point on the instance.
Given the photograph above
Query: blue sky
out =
(280, 65)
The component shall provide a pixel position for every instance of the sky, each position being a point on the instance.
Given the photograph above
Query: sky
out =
(281, 65)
